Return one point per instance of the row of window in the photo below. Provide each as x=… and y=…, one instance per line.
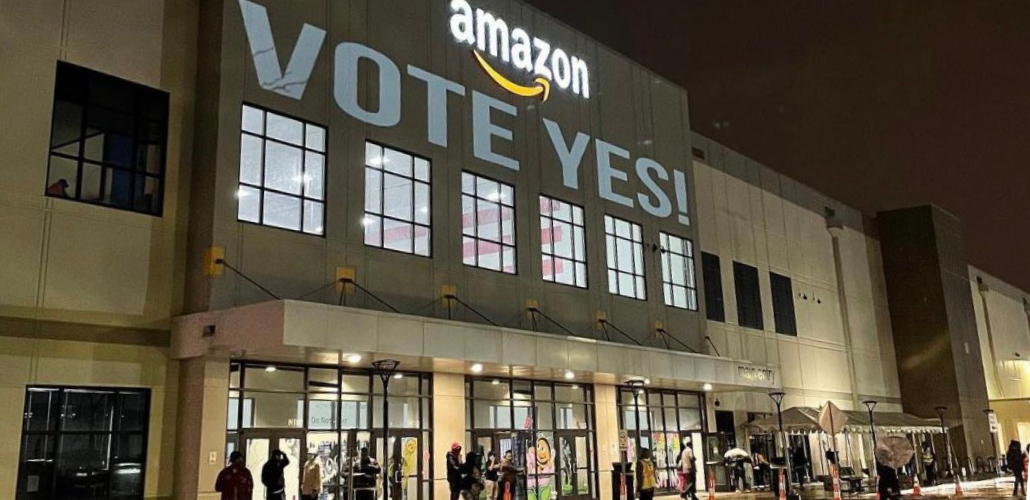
x=282, y=184
x=749, y=297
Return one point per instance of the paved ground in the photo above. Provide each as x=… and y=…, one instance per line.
x=988, y=489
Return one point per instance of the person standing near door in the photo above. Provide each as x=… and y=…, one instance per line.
x=454, y=470
x=646, y=478
x=311, y=479
x=274, y=477
x=493, y=467
x=688, y=470
x=235, y=481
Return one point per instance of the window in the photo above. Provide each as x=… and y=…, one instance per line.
x=77, y=440
x=563, y=242
x=282, y=172
x=678, y=272
x=625, y=247
x=715, y=307
x=397, y=204
x=548, y=427
x=488, y=223
x=783, y=304
x=749, y=300
x=107, y=141
x=667, y=420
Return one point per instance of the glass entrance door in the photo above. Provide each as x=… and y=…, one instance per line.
x=403, y=465
x=575, y=466
x=257, y=450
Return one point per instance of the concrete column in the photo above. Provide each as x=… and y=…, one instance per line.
x=203, y=411
x=448, y=426
x=607, y=431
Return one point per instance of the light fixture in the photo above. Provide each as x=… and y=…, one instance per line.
x=240, y=193
x=354, y=359
x=569, y=375
x=496, y=382
x=707, y=387
x=398, y=376
x=575, y=387
x=367, y=221
x=647, y=381
x=270, y=369
x=477, y=368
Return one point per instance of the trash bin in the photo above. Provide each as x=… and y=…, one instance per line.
x=617, y=476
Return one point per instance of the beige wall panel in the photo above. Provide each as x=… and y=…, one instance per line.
x=20, y=251
x=791, y=364
x=97, y=265
x=26, y=104
x=448, y=425
x=779, y=258
x=118, y=37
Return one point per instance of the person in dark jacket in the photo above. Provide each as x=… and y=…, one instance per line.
x=471, y=477
x=929, y=459
x=508, y=483
x=273, y=477
x=454, y=470
x=888, y=484
x=1014, y=459
x=235, y=481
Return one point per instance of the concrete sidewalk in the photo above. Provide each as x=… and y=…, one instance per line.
x=988, y=488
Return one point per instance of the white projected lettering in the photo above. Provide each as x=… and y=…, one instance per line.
x=662, y=191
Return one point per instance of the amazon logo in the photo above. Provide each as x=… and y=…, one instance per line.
x=491, y=36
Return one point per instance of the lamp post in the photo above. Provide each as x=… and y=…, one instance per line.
x=947, y=440
x=636, y=385
x=870, y=405
x=386, y=368
x=777, y=398
x=994, y=440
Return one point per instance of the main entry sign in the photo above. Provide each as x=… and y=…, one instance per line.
x=664, y=191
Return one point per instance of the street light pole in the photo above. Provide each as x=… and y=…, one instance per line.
x=870, y=405
x=947, y=441
x=386, y=368
x=994, y=440
x=636, y=385
x=777, y=398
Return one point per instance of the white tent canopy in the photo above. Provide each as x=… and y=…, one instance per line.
x=804, y=420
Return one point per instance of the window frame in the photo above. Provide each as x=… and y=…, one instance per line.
x=689, y=286
x=304, y=150
x=382, y=201
x=611, y=253
x=785, y=321
x=475, y=224
x=715, y=296
x=553, y=256
x=58, y=432
x=138, y=116
x=739, y=281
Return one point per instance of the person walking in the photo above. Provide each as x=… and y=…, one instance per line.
x=646, y=478
x=454, y=470
x=688, y=472
x=492, y=474
x=1014, y=459
x=274, y=477
x=235, y=481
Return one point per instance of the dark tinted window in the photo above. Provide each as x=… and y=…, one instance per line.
x=783, y=304
x=715, y=306
x=749, y=299
x=107, y=141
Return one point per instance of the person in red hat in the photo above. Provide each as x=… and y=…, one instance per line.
x=454, y=470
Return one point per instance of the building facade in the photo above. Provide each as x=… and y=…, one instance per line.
x=244, y=204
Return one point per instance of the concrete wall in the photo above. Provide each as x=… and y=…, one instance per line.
x=629, y=107
x=749, y=213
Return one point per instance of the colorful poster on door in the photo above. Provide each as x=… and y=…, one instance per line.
x=540, y=468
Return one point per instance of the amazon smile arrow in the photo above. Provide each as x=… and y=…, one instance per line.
x=542, y=87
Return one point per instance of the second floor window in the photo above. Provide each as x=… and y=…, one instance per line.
x=715, y=307
x=678, y=281
x=749, y=298
x=783, y=304
x=107, y=141
x=488, y=223
x=282, y=172
x=625, y=247
x=397, y=205
x=563, y=242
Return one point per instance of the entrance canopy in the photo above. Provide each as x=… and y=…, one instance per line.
x=308, y=333
x=805, y=420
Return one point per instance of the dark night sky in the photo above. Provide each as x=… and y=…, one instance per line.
x=879, y=103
